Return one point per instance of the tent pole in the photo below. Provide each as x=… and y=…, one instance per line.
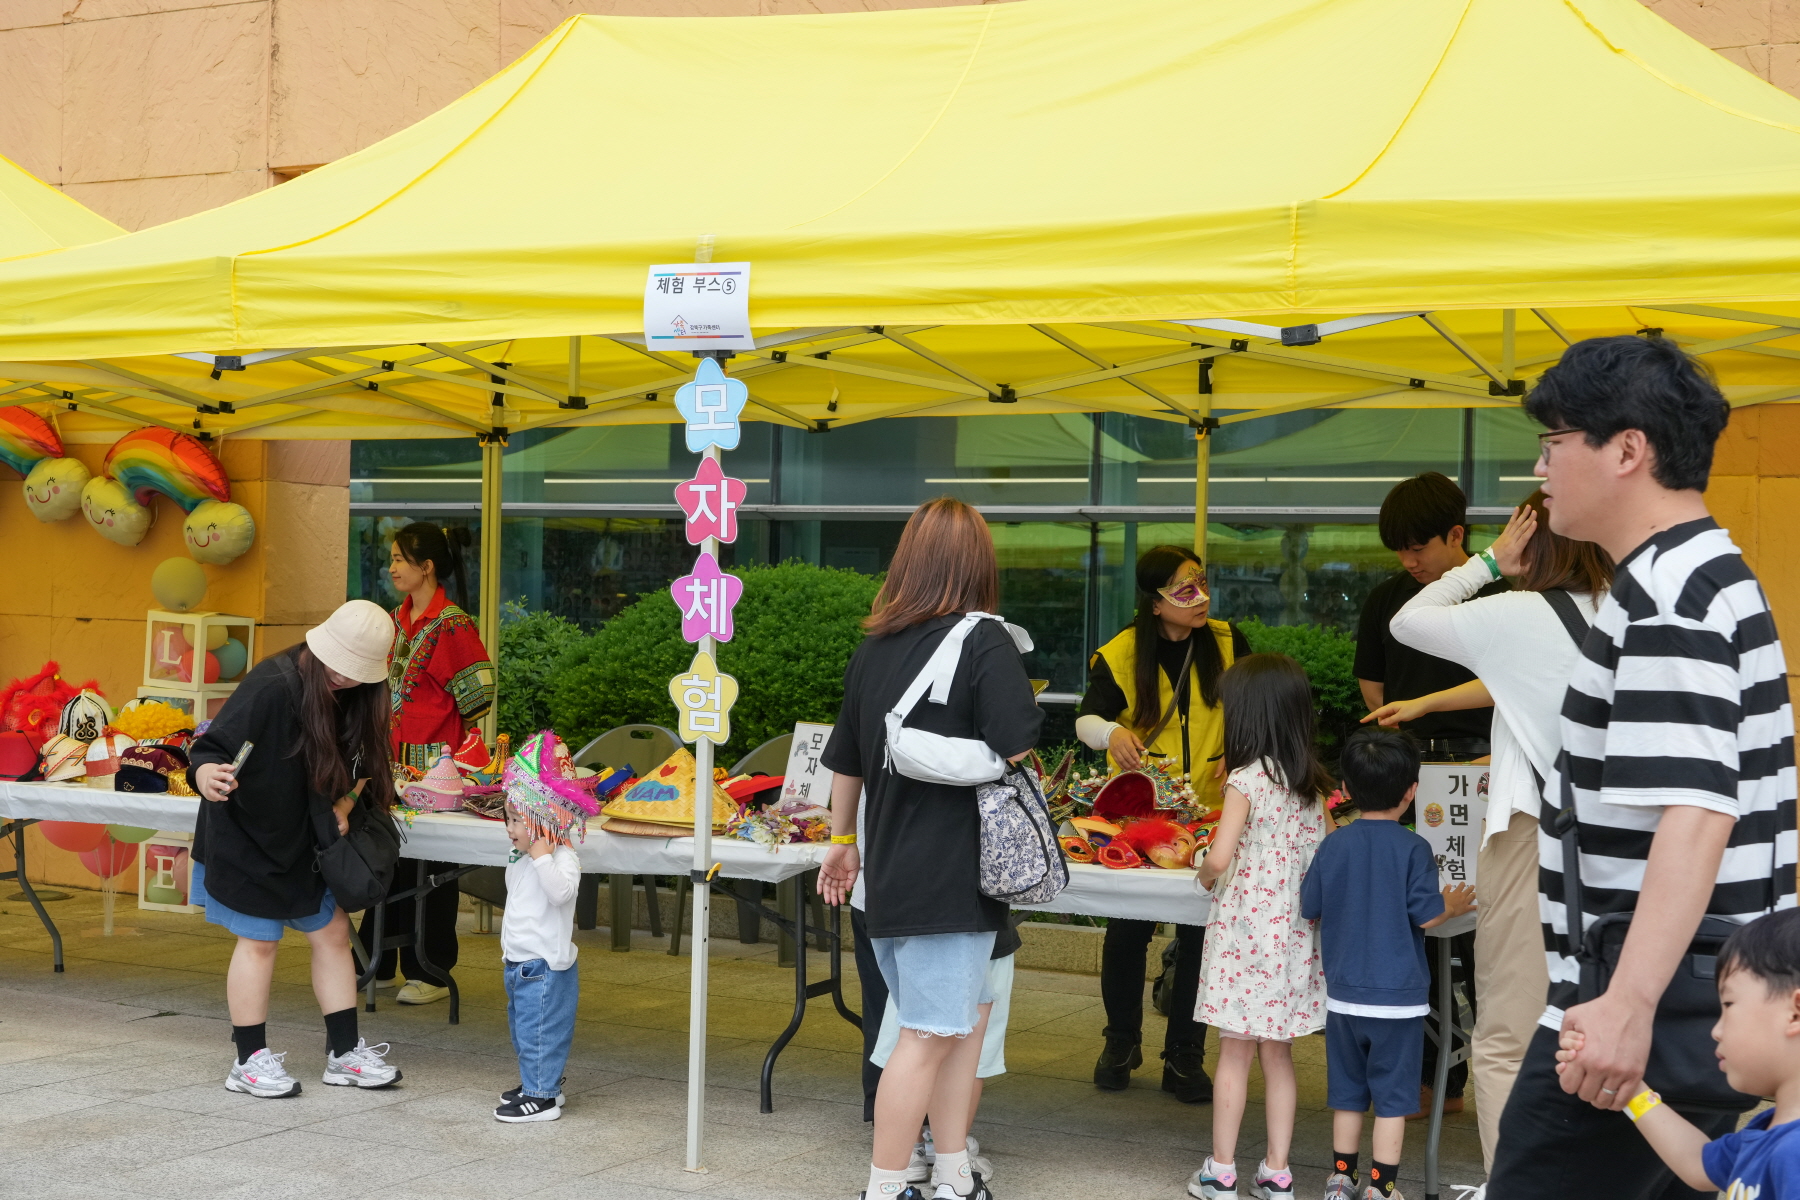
x=700, y=944
x=491, y=449
x=1203, y=456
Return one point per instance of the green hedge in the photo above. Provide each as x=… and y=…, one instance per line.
x=1329, y=659
x=532, y=648
x=795, y=628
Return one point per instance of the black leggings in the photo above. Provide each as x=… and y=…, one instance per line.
x=1122, y=957
x=440, y=926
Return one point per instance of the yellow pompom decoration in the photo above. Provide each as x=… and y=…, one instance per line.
x=151, y=719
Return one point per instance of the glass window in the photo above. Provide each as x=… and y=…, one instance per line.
x=1506, y=449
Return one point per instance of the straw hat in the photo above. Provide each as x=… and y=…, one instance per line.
x=354, y=641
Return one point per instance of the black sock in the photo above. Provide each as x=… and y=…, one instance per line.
x=1382, y=1176
x=340, y=1030
x=249, y=1039
x=1345, y=1164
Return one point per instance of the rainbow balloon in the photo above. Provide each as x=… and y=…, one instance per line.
x=26, y=439
x=176, y=464
x=147, y=461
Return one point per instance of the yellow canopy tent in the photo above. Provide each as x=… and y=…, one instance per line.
x=1165, y=207
x=35, y=217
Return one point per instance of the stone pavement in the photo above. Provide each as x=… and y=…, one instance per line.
x=111, y=1085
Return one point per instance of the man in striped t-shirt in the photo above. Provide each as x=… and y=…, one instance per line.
x=1679, y=752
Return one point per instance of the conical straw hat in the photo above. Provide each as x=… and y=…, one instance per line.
x=665, y=796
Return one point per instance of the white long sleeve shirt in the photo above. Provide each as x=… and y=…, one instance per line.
x=1518, y=648
x=539, y=921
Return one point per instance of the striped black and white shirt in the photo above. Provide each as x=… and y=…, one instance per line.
x=1679, y=697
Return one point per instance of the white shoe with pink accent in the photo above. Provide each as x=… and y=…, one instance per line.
x=362, y=1067
x=262, y=1076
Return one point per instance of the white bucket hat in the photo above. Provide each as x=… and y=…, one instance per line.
x=354, y=641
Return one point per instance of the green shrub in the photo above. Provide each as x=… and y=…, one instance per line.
x=795, y=628
x=1328, y=657
x=531, y=646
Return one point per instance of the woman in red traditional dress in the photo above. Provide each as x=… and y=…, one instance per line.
x=442, y=683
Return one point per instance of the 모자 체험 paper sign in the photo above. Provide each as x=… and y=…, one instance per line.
x=710, y=501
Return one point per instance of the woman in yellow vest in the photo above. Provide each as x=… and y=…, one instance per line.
x=1153, y=692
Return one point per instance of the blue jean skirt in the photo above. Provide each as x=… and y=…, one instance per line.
x=257, y=929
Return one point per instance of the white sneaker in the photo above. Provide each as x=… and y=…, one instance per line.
x=363, y=1067
x=262, y=1076
x=417, y=991
x=1272, y=1185
x=918, y=1168
x=1208, y=1183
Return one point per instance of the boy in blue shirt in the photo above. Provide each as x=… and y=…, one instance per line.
x=1759, y=1050
x=1373, y=889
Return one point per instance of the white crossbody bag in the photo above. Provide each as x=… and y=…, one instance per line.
x=932, y=757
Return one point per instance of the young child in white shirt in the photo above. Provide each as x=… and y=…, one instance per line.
x=543, y=809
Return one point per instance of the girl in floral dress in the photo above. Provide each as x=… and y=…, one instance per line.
x=1261, y=980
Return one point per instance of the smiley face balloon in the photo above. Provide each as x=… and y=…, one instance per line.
x=109, y=507
x=53, y=488
x=218, y=532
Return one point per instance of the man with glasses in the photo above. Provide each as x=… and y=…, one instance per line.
x=1677, y=762
x=1425, y=522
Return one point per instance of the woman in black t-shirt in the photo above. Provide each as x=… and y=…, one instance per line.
x=930, y=927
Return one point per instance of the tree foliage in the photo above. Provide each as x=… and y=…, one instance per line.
x=796, y=625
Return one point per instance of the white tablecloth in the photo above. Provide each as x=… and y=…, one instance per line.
x=1149, y=895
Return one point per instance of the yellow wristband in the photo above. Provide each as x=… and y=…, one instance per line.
x=843, y=839
x=1642, y=1103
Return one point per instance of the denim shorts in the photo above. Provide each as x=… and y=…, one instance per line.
x=257, y=929
x=993, y=1038
x=938, y=981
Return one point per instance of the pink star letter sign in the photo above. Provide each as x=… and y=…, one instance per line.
x=706, y=599
x=710, y=499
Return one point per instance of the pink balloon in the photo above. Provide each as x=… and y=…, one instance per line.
x=75, y=836
x=117, y=856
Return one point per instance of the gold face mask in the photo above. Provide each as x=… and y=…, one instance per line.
x=1189, y=593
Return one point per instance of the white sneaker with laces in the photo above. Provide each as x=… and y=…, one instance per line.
x=363, y=1067
x=918, y=1167
x=262, y=1076
x=1272, y=1185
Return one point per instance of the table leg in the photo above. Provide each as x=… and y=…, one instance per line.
x=425, y=885
x=17, y=829
x=801, y=993
x=618, y=892
x=378, y=942
x=788, y=894
x=836, y=942
x=1446, y=1043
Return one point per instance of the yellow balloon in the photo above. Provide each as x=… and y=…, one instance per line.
x=217, y=636
x=179, y=584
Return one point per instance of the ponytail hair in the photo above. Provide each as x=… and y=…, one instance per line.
x=423, y=542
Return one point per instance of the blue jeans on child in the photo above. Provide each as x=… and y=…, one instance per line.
x=540, y=1010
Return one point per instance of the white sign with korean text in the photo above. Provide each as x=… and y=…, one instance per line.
x=807, y=781
x=698, y=306
x=1452, y=804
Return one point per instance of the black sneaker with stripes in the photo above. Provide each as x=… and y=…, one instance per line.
x=528, y=1108
x=511, y=1095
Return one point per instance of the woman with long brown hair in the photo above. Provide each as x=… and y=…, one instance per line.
x=932, y=930
x=1522, y=656
x=315, y=718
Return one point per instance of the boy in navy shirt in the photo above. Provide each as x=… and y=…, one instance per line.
x=1373, y=888
x=1759, y=1051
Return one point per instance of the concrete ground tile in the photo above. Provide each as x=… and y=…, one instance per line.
x=42, y=1103
x=304, y=1163
x=108, y=1139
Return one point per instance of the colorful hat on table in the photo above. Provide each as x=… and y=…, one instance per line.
x=65, y=759
x=544, y=791
x=85, y=717
x=664, y=800
x=440, y=791
x=152, y=769
x=103, y=759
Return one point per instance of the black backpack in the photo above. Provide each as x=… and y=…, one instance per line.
x=358, y=866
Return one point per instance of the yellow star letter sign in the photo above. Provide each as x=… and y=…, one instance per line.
x=704, y=697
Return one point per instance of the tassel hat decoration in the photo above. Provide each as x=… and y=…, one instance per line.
x=543, y=791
